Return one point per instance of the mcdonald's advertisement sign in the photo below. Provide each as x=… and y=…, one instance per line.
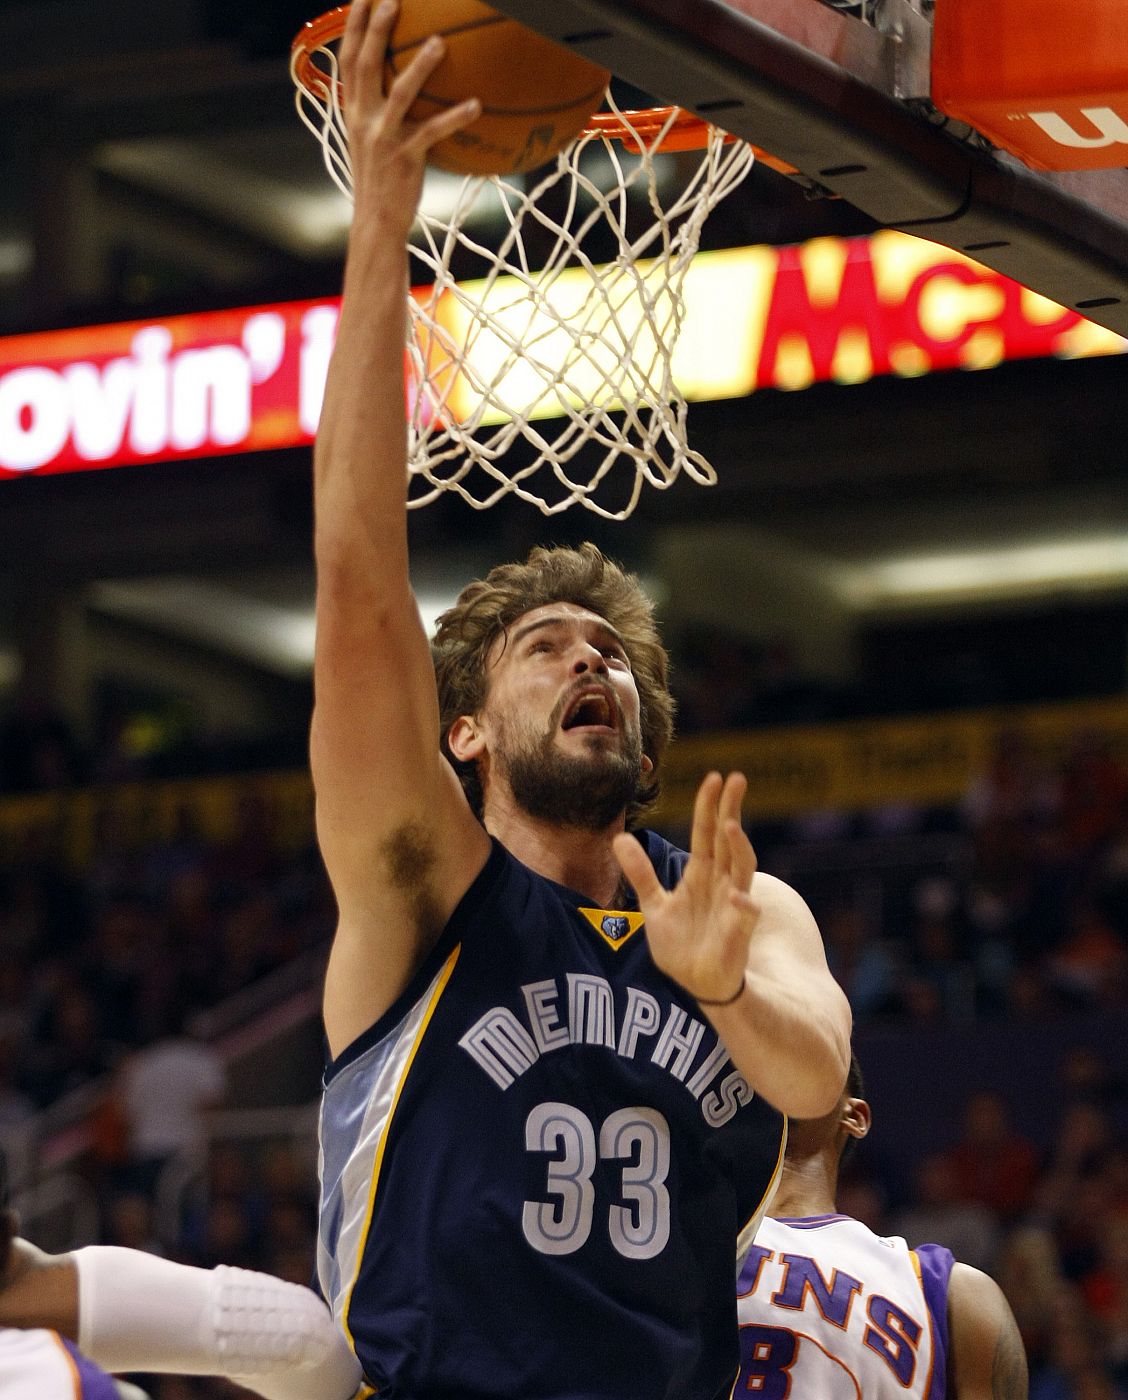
x=762, y=317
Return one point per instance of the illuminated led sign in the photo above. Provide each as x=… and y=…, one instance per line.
x=251, y=379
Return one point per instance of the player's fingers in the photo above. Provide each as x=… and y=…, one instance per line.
x=703, y=833
x=409, y=81
x=742, y=858
x=356, y=27
x=635, y=865
x=356, y=22
x=446, y=123
x=373, y=46
x=728, y=808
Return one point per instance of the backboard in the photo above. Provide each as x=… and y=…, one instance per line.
x=845, y=102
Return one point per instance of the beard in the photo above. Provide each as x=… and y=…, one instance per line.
x=588, y=791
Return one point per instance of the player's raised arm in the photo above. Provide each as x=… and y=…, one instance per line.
x=746, y=946
x=398, y=839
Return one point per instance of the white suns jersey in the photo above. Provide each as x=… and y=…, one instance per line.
x=42, y=1366
x=830, y=1311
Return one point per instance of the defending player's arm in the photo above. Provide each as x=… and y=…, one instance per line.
x=398, y=839
x=746, y=946
x=986, y=1358
x=131, y=1311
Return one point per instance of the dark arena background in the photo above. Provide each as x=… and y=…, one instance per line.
x=903, y=611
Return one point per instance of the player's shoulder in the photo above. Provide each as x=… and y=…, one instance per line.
x=987, y=1355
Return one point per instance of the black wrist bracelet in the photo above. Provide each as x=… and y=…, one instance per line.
x=701, y=1001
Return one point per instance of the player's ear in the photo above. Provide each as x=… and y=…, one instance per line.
x=856, y=1118
x=647, y=764
x=465, y=739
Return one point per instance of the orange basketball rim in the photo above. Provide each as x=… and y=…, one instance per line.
x=683, y=131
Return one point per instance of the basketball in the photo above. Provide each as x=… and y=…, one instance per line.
x=536, y=96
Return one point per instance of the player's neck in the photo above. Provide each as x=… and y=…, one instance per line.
x=807, y=1187
x=581, y=860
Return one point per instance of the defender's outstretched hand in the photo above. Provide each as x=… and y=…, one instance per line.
x=389, y=152
x=699, y=932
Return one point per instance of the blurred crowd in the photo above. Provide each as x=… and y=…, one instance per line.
x=1028, y=919
x=104, y=970
x=122, y=954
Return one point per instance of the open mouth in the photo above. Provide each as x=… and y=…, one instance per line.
x=591, y=709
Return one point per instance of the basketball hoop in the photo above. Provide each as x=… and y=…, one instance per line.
x=539, y=378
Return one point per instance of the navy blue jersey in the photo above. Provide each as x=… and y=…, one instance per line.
x=539, y=1168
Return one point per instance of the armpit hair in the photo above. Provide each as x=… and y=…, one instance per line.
x=408, y=855
x=408, y=858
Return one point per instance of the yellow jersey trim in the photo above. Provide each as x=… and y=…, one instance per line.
x=747, y=1235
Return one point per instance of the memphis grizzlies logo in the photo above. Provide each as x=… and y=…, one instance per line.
x=614, y=926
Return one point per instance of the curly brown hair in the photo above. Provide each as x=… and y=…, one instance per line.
x=487, y=608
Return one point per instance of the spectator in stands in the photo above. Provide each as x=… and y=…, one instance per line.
x=1076, y=1369
x=937, y=956
x=251, y=931
x=38, y=747
x=992, y=1163
x=248, y=862
x=714, y=683
x=1028, y=1271
x=862, y=963
x=1105, y=1288
x=290, y=1240
x=1014, y=787
x=129, y=1223
x=227, y=1237
x=184, y=853
x=968, y=1228
x=68, y=1048
x=1113, y=1170
x=166, y=1090
x=122, y=955
x=1089, y=965
x=1111, y=878
x=1093, y=795
x=1082, y=1136
x=228, y=1178
x=1081, y=1223
x=15, y=1106
x=782, y=691
x=1087, y=1077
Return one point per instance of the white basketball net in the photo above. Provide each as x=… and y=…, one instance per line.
x=553, y=369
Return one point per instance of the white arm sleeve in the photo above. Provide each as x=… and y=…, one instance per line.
x=137, y=1312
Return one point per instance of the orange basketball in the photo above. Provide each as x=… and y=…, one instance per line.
x=536, y=95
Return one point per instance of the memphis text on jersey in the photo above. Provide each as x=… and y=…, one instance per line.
x=584, y=1009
